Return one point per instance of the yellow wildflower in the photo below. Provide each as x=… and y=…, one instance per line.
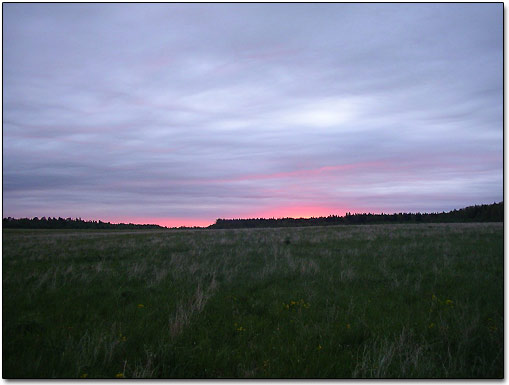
x=140, y=305
x=448, y=302
x=431, y=325
x=119, y=375
x=84, y=375
x=319, y=347
x=491, y=325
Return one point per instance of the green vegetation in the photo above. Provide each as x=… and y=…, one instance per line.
x=388, y=301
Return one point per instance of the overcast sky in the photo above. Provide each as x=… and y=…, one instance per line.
x=179, y=114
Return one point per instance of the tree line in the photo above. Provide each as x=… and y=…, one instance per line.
x=68, y=223
x=478, y=213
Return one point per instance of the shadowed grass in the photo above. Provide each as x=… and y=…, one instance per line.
x=388, y=301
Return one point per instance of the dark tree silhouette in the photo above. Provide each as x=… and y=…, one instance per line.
x=68, y=223
x=480, y=213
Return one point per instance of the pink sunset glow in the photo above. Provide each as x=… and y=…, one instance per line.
x=165, y=222
x=301, y=212
x=281, y=212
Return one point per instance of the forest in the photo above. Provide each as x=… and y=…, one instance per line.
x=69, y=223
x=478, y=213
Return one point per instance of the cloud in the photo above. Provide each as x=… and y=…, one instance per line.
x=199, y=111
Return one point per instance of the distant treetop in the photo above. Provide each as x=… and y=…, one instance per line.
x=479, y=213
x=68, y=223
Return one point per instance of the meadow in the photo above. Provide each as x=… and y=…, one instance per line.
x=374, y=301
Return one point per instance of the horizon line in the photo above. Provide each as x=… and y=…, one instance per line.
x=240, y=219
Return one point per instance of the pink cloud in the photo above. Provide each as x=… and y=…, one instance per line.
x=300, y=173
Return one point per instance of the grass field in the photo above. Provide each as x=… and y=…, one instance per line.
x=387, y=301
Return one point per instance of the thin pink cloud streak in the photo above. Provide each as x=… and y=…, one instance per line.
x=299, y=173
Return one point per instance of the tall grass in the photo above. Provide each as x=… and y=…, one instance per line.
x=380, y=301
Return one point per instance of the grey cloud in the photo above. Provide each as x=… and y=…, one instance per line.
x=135, y=107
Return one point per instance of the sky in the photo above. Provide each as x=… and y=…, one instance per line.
x=179, y=114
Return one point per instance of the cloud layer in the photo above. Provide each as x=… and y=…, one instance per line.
x=183, y=113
